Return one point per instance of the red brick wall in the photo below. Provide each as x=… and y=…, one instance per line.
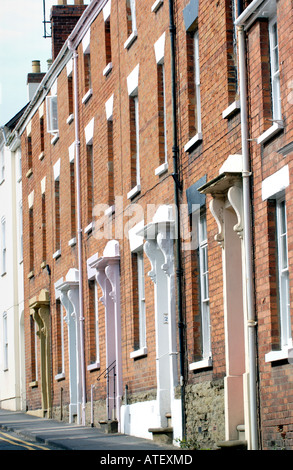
x=63, y=19
x=275, y=378
x=221, y=137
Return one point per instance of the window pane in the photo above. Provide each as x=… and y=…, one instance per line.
x=284, y=294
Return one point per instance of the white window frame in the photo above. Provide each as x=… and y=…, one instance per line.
x=164, y=105
x=52, y=114
x=20, y=214
x=133, y=15
x=3, y=246
x=62, y=373
x=133, y=34
x=96, y=300
x=132, y=85
x=136, y=105
x=136, y=247
x=198, y=136
x=197, y=80
x=204, y=286
x=141, y=299
x=5, y=341
x=96, y=364
x=56, y=170
x=283, y=274
x=201, y=228
x=275, y=68
x=36, y=350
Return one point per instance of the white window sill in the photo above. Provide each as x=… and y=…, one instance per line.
x=29, y=173
x=2, y=181
x=286, y=353
x=30, y=275
x=157, y=5
x=161, y=169
x=57, y=254
x=204, y=363
x=107, y=69
x=70, y=119
x=196, y=139
x=134, y=191
x=94, y=366
x=89, y=228
x=60, y=376
x=130, y=40
x=33, y=384
x=72, y=242
x=87, y=96
x=139, y=353
x=276, y=127
x=110, y=211
x=55, y=139
x=3, y=274
x=231, y=109
x=41, y=156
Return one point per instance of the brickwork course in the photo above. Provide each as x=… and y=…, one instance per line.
x=216, y=385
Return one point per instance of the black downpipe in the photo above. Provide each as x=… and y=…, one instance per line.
x=175, y=152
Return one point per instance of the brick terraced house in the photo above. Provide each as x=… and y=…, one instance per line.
x=157, y=235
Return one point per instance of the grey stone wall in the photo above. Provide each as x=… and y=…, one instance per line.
x=205, y=421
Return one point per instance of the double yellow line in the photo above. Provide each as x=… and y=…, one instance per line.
x=19, y=442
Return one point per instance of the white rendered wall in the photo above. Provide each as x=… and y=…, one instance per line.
x=12, y=384
x=137, y=418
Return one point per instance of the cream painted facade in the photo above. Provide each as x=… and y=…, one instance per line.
x=12, y=357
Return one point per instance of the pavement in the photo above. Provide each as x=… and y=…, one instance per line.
x=65, y=436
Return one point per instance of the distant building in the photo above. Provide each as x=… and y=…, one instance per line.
x=12, y=355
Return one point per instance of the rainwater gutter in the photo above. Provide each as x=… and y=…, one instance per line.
x=247, y=222
x=177, y=188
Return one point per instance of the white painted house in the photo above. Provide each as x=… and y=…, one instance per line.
x=12, y=369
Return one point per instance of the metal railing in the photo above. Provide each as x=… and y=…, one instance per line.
x=107, y=375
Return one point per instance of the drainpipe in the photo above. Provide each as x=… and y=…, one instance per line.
x=79, y=227
x=248, y=237
x=177, y=185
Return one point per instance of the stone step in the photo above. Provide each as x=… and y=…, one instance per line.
x=162, y=435
x=232, y=445
x=109, y=427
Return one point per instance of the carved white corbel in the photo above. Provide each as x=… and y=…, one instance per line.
x=150, y=248
x=111, y=271
x=235, y=198
x=65, y=303
x=217, y=209
x=101, y=280
x=73, y=298
x=165, y=244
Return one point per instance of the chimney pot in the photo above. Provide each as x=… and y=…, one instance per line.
x=62, y=2
x=78, y=2
x=36, y=66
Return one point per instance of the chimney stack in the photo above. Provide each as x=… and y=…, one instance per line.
x=36, y=66
x=63, y=20
x=34, y=78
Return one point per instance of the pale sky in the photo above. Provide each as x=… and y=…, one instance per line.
x=21, y=42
